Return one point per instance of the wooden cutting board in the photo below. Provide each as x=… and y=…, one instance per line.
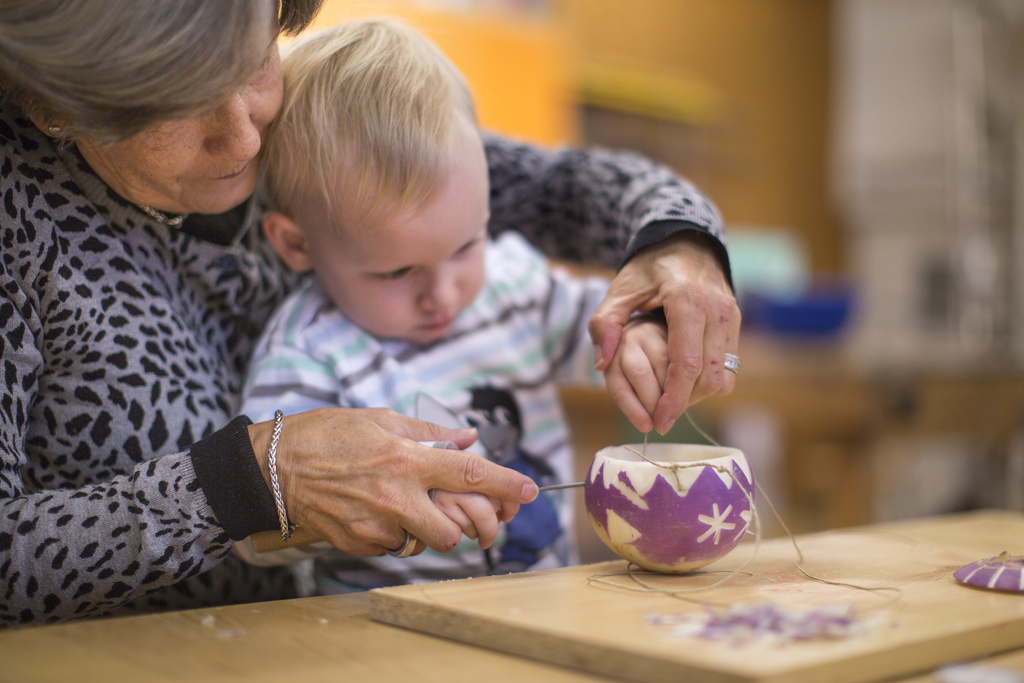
x=564, y=617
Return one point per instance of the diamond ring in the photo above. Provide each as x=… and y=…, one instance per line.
x=732, y=363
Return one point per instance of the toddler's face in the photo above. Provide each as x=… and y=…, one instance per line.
x=409, y=278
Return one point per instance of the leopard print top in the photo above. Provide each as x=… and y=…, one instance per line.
x=124, y=343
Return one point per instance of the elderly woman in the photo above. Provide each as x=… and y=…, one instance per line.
x=134, y=282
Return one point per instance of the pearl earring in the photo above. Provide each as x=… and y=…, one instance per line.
x=54, y=131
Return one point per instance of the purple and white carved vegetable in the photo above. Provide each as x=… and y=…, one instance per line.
x=682, y=507
x=1004, y=572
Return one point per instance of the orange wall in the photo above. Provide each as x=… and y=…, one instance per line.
x=518, y=69
x=769, y=62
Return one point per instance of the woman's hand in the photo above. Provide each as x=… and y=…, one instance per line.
x=358, y=478
x=682, y=276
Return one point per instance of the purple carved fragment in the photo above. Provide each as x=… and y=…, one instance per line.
x=1004, y=572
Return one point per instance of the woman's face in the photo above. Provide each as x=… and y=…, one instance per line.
x=204, y=164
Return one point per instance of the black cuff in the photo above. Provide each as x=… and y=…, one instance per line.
x=659, y=231
x=226, y=468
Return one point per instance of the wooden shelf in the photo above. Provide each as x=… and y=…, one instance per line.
x=646, y=91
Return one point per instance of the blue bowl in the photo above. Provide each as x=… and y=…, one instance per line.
x=822, y=310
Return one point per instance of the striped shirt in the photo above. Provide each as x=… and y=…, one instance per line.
x=498, y=370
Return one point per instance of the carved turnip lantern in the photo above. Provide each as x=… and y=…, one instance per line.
x=670, y=508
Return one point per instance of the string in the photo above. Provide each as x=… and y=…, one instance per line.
x=634, y=573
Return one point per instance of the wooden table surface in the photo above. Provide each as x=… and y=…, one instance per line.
x=313, y=639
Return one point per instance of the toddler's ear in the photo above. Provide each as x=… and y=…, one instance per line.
x=287, y=238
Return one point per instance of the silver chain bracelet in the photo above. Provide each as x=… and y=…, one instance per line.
x=282, y=514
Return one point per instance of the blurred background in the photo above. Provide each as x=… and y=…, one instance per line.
x=867, y=158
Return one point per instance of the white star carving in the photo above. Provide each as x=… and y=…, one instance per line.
x=716, y=523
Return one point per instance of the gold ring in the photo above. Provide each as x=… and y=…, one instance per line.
x=407, y=547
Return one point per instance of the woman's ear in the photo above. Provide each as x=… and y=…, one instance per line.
x=287, y=238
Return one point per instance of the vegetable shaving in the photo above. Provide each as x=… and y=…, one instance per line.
x=743, y=624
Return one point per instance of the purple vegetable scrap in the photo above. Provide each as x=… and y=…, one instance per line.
x=1004, y=572
x=766, y=623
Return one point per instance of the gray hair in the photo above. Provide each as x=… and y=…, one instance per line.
x=108, y=69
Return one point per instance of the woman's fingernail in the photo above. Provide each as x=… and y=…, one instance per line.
x=598, y=357
x=464, y=434
x=664, y=429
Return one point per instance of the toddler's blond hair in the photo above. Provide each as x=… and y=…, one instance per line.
x=369, y=110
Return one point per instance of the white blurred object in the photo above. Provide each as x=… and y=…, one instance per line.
x=927, y=125
x=977, y=673
x=923, y=475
